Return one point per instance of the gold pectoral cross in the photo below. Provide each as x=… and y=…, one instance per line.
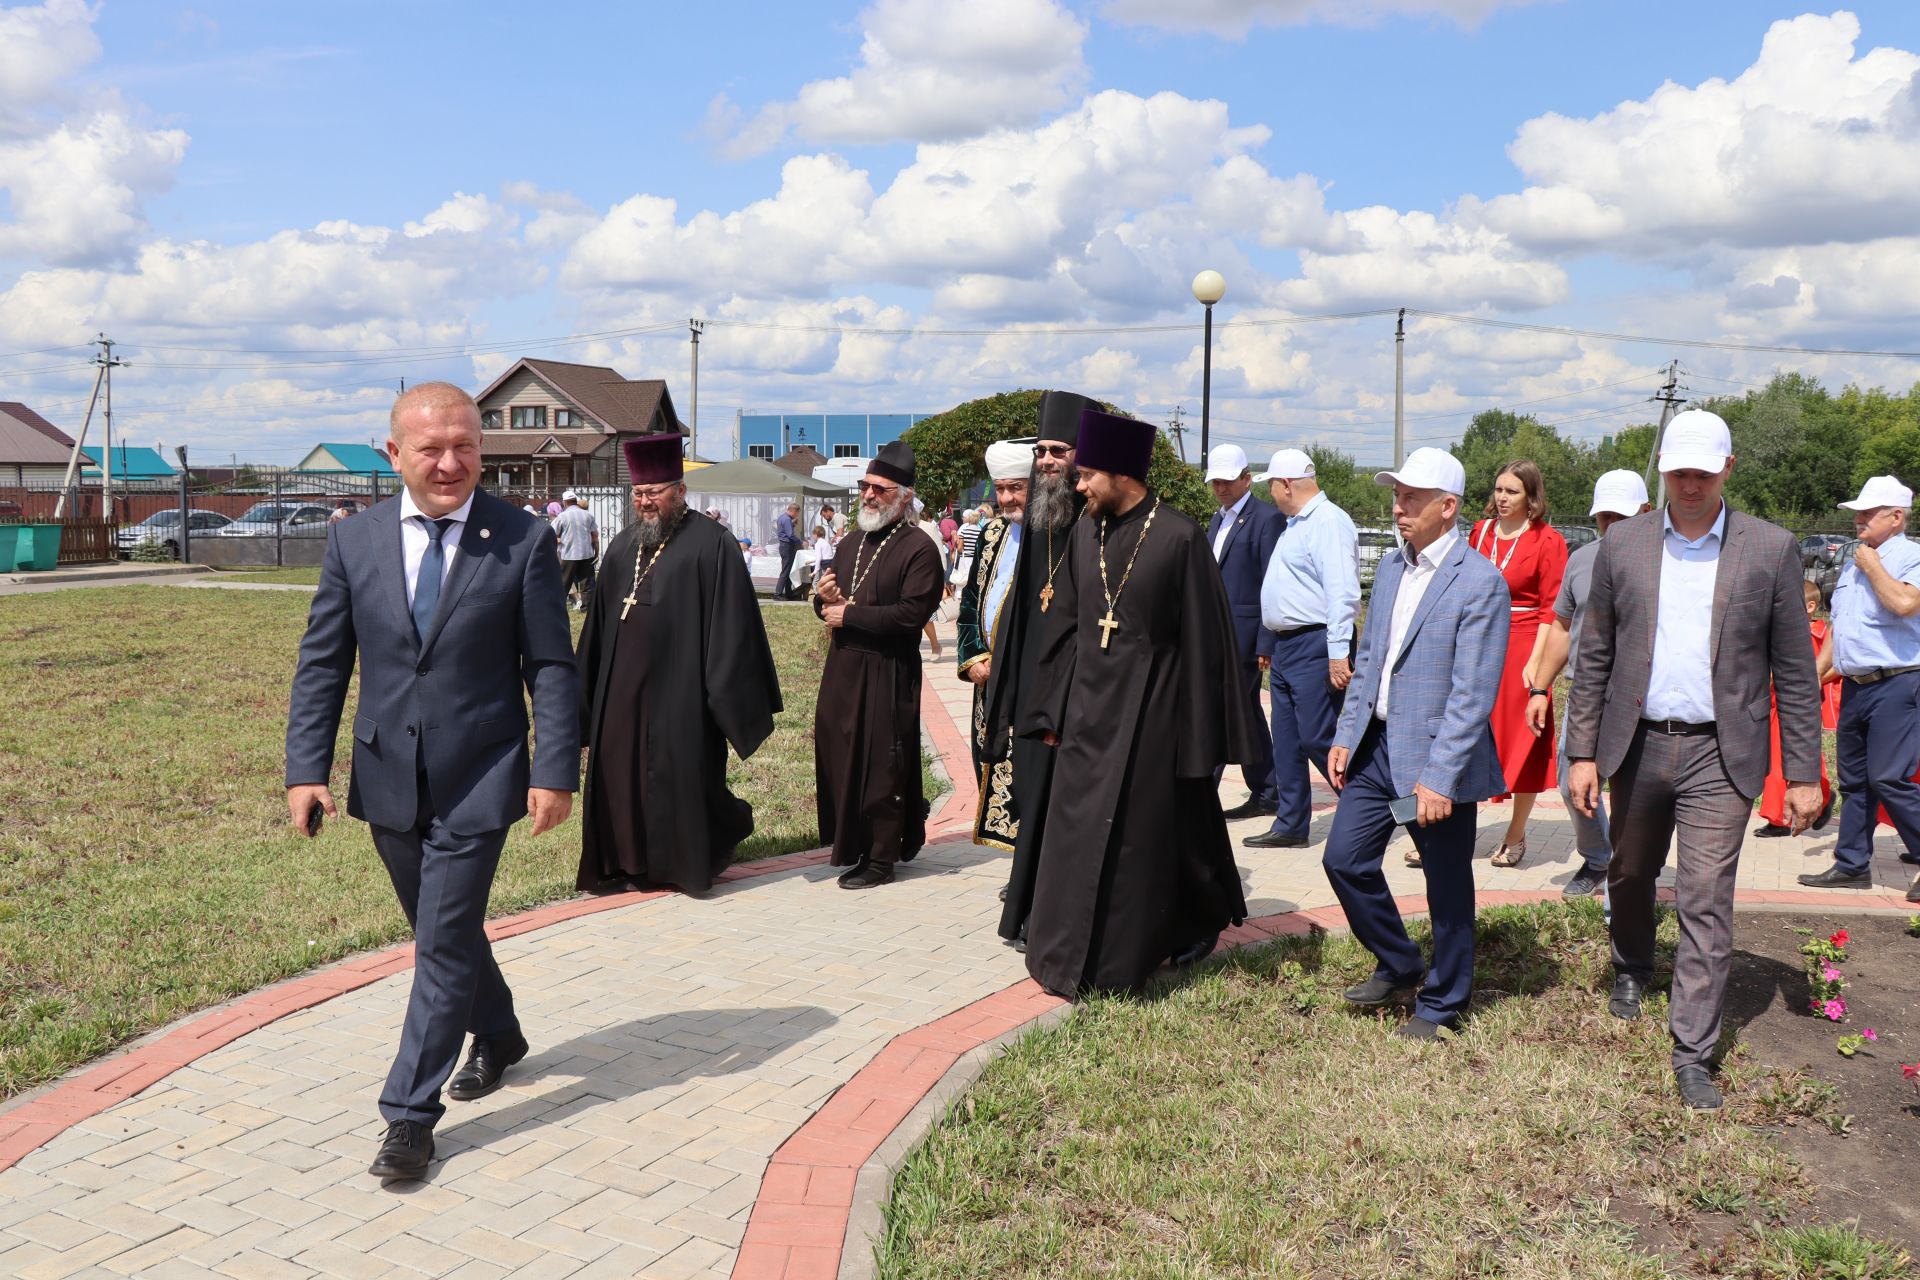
x=1108, y=625
x=1046, y=597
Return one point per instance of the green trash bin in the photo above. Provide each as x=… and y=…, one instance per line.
x=39, y=547
x=9, y=547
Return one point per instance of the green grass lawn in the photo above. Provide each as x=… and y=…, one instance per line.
x=309, y=577
x=1245, y=1123
x=146, y=865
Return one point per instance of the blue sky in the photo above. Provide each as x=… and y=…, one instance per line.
x=354, y=180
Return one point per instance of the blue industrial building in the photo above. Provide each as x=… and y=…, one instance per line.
x=834, y=435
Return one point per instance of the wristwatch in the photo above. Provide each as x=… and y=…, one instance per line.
x=1539, y=693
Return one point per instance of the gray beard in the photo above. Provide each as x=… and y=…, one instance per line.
x=874, y=521
x=1050, y=501
x=652, y=530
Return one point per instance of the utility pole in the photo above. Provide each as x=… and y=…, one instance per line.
x=106, y=458
x=694, y=329
x=1400, y=390
x=1670, y=400
x=105, y=364
x=1178, y=431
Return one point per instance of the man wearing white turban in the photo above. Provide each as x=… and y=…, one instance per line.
x=982, y=596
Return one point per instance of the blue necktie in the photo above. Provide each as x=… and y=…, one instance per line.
x=433, y=567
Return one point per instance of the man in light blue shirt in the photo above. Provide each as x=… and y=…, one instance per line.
x=1308, y=601
x=1875, y=644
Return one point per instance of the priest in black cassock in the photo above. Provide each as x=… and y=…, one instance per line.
x=674, y=666
x=1013, y=689
x=885, y=583
x=983, y=600
x=1140, y=698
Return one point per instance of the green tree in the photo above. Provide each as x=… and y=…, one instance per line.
x=1349, y=488
x=1893, y=452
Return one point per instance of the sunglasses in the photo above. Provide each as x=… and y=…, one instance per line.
x=867, y=487
x=1052, y=450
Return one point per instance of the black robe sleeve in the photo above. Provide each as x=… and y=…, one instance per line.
x=590, y=656
x=1214, y=728
x=742, y=687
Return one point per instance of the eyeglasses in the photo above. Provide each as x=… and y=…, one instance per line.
x=867, y=487
x=1052, y=450
x=654, y=493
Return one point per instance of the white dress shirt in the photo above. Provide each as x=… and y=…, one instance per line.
x=1415, y=578
x=1228, y=516
x=414, y=539
x=1680, y=684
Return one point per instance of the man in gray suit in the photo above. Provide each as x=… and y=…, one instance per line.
x=1414, y=734
x=1670, y=701
x=452, y=601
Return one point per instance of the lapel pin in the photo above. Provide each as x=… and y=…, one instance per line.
x=486, y=533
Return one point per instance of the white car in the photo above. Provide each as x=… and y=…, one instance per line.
x=291, y=519
x=162, y=528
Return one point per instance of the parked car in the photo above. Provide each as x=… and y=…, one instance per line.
x=1821, y=549
x=1577, y=535
x=1374, y=543
x=291, y=519
x=1827, y=576
x=162, y=528
x=10, y=511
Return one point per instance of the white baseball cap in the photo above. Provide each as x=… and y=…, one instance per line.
x=1428, y=469
x=1620, y=493
x=1696, y=441
x=569, y=496
x=1881, y=491
x=1288, y=464
x=1226, y=462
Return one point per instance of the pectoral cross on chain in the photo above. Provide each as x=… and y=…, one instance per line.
x=1046, y=597
x=1108, y=625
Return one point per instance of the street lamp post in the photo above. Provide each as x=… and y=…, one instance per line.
x=1208, y=288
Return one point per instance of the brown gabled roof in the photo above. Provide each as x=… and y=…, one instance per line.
x=27, y=417
x=23, y=445
x=526, y=444
x=626, y=405
x=802, y=460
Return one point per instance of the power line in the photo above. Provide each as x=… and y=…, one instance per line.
x=1708, y=344
x=1436, y=417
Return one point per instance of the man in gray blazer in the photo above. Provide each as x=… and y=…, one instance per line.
x=1415, y=730
x=451, y=600
x=1670, y=701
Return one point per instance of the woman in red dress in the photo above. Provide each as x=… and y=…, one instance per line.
x=1532, y=556
x=1773, y=799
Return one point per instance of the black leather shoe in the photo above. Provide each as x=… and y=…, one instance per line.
x=1420, y=1029
x=1625, y=1001
x=1003, y=893
x=867, y=877
x=1251, y=808
x=1772, y=831
x=1199, y=949
x=405, y=1151
x=1826, y=815
x=487, y=1063
x=1912, y=860
x=1585, y=883
x=1381, y=990
x=1696, y=1089
x=1274, y=840
x=1913, y=890
x=1834, y=878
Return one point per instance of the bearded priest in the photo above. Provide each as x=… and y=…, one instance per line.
x=885, y=583
x=674, y=667
x=1140, y=698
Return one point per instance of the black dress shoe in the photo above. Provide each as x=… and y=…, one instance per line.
x=1003, y=893
x=867, y=877
x=1274, y=840
x=1834, y=878
x=1772, y=831
x=1913, y=890
x=1696, y=1089
x=1381, y=990
x=1826, y=815
x=1625, y=1001
x=1199, y=949
x=487, y=1063
x=1251, y=808
x=405, y=1151
x=1420, y=1029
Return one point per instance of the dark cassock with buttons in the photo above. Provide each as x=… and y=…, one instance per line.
x=1139, y=678
x=1013, y=691
x=674, y=668
x=866, y=730
x=981, y=621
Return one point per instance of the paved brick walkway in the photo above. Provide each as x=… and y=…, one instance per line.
x=680, y=1044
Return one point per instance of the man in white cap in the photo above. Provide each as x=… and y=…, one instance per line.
x=1308, y=602
x=1875, y=645
x=983, y=597
x=1415, y=744
x=1242, y=533
x=1691, y=620
x=1617, y=496
x=579, y=536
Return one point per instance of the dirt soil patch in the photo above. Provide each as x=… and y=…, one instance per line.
x=1863, y=1172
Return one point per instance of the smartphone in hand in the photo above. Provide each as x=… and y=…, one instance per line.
x=1405, y=810
x=314, y=816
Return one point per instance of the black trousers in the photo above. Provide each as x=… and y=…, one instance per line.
x=783, y=589
x=443, y=881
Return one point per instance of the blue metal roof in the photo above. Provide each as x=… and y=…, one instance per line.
x=360, y=457
x=130, y=463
